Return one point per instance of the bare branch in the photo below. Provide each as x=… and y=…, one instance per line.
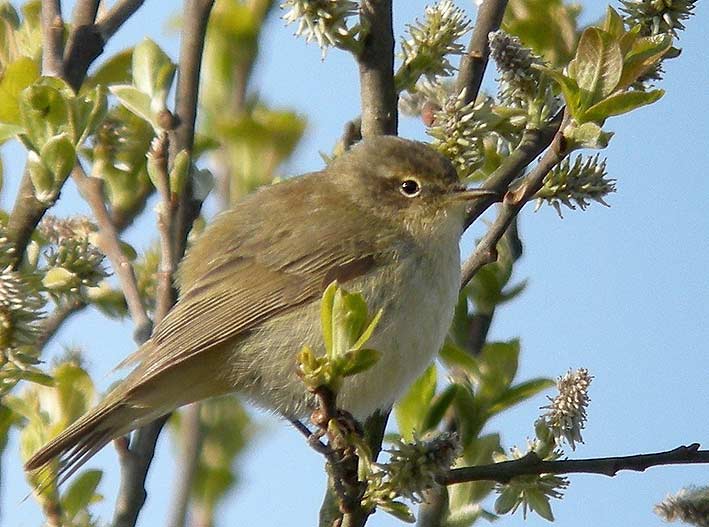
x=84, y=44
x=52, y=38
x=474, y=62
x=533, y=143
x=376, y=70
x=512, y=203
x=91, y=190
x=56, y=318
x=121, y=11
x=606, y=466
x=135, y=463
x=165, y=296
x=191, y=433
x=191, y=49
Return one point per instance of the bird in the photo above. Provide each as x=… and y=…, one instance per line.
x=384, y=219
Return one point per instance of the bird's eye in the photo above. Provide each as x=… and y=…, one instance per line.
x=410, y=188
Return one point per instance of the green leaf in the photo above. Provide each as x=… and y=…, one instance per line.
x=16, y=77
x=367, y=332
x=508, y=499
x=498, y=365
x=438, y=407
x=115, y=70
x=179, y=172
x=80, y=493
x=569, y=89
x=326, y=305
x=620, y=104
x=359, y=360
x=539, y=503
x=349, y=317
x=455, y=357
x=135, y=101
x=88, y=113
x=59, y=156
x=153, y=72
x=410, y=409
x=518, y=393
x=643, y=55
x=44, y=111
x=614, y=24
x=587, y=135
x=399, y=510
x=42, y=179
x=598, y=66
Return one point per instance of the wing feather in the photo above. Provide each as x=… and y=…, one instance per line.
x=275, y=257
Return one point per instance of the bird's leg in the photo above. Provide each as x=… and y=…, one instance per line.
x=313, y=438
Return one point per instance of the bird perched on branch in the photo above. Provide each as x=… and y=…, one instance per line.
x=384, y=218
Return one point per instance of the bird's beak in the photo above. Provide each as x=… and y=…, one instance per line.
x=463, y=193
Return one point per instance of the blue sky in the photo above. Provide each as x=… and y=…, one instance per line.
x=621, y=291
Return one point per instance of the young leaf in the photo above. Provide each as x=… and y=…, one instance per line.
x=16, y=77
x=598, y=66
x=621, y=103
x=410, y=409
x=80, y=493
x=153, y=72
x=438, y=407
x=44, y=112
x=518, y=393
x=59, y=156
x=135, y=101
x=643, y=55
x=326, y=305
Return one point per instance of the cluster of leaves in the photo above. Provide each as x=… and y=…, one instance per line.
x=44, y=411
x=346, y=326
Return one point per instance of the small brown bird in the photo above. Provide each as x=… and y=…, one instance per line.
x=385, y=218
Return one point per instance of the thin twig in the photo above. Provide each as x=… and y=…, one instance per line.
x=121, y=11
x=191, y=50
x=486, y=250
x=376, y=70
x=52, y=38
x=56, y=318
x=532, y=144
x=165, y=296
x=191, y=435
x=474, y=62
x=606, y=466
x=91, y=190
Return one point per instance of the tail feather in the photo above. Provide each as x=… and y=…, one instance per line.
x=81, y=440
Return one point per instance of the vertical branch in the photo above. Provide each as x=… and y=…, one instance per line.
x=474, y=62
x=135, y=461
x=52, y=38
x=91, y=190
x=191, y=431
x=376, y=69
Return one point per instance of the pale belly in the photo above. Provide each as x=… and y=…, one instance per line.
x=413, y=327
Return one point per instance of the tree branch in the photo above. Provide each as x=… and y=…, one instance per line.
x=116, y=17
x=474, y=62
x=607, y=466
x=52, y=38
x=84, y=44
x=191, y=433
x=91, y=189
x=512, y=203
x=376, y=69
x=56, y=318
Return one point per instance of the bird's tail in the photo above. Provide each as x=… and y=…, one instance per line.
x=87, y=435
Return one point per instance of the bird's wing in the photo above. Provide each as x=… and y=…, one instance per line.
x=280, y=257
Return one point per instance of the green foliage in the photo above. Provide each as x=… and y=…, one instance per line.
x=152, y=76
x=549, y=27
x=346, y=326
x=45, y=411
